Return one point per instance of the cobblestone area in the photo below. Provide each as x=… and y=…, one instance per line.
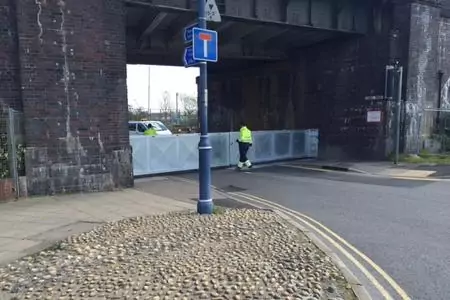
x=240, y=254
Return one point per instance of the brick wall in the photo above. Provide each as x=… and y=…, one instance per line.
x=329, y=86
x=262, y=96
x=9, y=61
x=342, y=77
x=73, y=71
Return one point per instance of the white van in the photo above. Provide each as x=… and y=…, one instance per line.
x=139, y=127
x=160, y=128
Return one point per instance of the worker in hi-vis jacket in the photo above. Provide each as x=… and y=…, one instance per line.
x=245, y=142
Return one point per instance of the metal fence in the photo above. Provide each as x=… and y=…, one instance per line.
x=165, y=154
x=12, y=150
x=436, y=130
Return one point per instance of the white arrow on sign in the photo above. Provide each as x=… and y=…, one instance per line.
x=212, y=12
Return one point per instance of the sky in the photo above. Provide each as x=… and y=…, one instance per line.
x=162, y=78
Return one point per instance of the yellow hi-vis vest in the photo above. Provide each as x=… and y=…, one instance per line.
x=245, y=135
x=150, y=132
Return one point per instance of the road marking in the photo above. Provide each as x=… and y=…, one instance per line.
x=408, y=173
x=372, y=279
x=301, y=217
x=430, y=179
x=312, y=168
x=419, y=179
x=369, y=175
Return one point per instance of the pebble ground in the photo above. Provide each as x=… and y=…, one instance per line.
x=238, y=254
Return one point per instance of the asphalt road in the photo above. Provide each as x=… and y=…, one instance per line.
x=402, y=225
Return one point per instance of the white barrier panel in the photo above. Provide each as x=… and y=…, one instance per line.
x=220, y=143
x=312, y=143
x=165, y=154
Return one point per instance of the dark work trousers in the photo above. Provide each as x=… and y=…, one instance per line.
x=243, y=149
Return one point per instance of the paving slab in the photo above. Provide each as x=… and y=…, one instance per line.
x=32, y=224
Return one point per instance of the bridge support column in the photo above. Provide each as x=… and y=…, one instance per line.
x=72, y=60
x=424, y=63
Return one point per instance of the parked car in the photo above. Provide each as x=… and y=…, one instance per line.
x=139, y=127
x=136, y=127
x=160, y=128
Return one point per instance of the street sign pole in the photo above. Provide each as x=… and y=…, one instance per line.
x=399, y=75
x=205, y=203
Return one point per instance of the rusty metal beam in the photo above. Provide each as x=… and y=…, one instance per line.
x=191, y=11
x=174, y=36
x=176, y=29
x=251, y=51
x=164, y=8
x=277, y=40
x=223, y=26
x=234, y=36
x=161, y=57
x=268, y=34
x=154, y=24
x=150, y=28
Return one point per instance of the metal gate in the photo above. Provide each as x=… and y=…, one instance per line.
x=165, y=154
x=12, y=150
x=436, y=130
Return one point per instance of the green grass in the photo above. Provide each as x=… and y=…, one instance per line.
x=425, y=157
x=218, y=210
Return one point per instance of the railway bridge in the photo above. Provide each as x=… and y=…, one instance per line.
x=283, y=64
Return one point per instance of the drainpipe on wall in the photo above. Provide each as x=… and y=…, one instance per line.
x=439, y=104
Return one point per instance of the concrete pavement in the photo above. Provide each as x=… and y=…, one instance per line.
x=29, y=225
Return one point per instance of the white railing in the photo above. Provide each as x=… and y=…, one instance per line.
x=174, y=153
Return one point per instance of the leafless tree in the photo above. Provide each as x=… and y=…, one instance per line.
x=189, y=109
x=189, y=105
x=136, y=113
x=166, y=106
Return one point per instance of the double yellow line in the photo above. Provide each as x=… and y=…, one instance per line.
x=335, y=240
